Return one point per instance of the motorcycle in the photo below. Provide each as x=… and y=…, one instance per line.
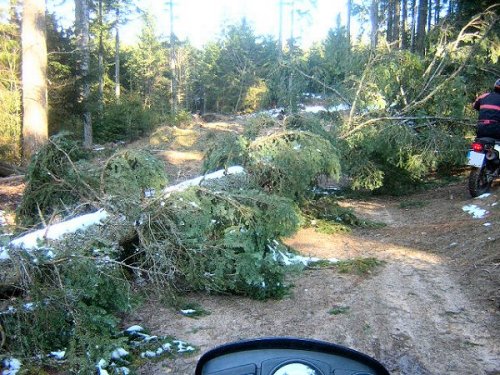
x=286, y=356
x=484, y=157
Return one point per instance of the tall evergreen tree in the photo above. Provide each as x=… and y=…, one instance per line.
x=10, y=90
x=82, y=30
x=421, y=27
x=34, y=77
x=374, y=9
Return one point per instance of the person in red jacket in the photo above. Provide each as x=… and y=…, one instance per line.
x=488, y=106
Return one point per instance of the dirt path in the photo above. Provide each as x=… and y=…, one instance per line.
x=431, y=308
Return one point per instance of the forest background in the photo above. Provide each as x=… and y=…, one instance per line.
x=418, y=63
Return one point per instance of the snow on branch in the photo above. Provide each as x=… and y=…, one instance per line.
x=56, y=231
x=198, y=180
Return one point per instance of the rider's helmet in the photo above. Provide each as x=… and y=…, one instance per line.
x=497, y=85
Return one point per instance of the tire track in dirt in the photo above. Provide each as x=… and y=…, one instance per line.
x=414, y=317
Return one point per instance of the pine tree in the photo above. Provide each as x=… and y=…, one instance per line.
x=34, y=76
x=82, y=26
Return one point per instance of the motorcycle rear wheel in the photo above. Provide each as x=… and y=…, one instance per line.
x=479, y=182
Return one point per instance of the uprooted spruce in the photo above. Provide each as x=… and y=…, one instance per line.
x=217, y=238
x=286, y=163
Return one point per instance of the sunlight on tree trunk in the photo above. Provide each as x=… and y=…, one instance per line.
x=83, y=37
x=374, y=23
x=117, y=55
x=34, y=76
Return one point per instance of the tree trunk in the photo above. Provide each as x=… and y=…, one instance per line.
x=413, y=24
x=422, y=20
x=374, y=23
x=396, y=23
x=83, y=36
x=404, y=32
x=349, y=11
x=173, y=82
x=100, y=62
x=390, y=20
x=280, y=31
x=429, y=15
x=34, y=77
x=437, y=11
x=117, y=55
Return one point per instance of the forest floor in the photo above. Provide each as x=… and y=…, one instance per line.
x=431, y=307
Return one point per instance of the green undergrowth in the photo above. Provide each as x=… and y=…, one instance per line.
x=358, y=266
x=355, y=266
x=338, y=310
x=73, y=303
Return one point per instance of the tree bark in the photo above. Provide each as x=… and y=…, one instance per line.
x=413, y=24
x=437, y=11
x=421, y=23
x=117, y=55
x=404, y=32
x=348, y=31
x=374, y=24
x=397, y=21
x=390, y=20
x=34, y=77
x=100, y=62
x=172, y=60
x=429, y=15
x=83, y=36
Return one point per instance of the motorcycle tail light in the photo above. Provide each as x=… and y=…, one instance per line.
x=478, y=147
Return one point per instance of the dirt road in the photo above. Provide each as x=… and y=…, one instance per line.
x=431, y=308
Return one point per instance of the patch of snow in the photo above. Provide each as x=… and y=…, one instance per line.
x=11, y=366
x=3, y=222
x=198, y=180
x=119, y=353
x=30, y=306
x=482, y=196
x=122, y=371
x=56, y=231
x=475, y=211
x=183, y=347
x=58, y=354
x=487, y=224
x=10, y=310
x=99, y=366
x=133, y=329
x=4, y=253
x=148, y=354
x=494, y=204
x=314, y=109
x=149, y=193
x=188, y=311
x=289, y=259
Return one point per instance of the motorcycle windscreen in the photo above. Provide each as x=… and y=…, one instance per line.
x=286, y=356
x=475, y=159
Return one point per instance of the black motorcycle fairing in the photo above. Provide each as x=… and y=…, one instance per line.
x=266, y=356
